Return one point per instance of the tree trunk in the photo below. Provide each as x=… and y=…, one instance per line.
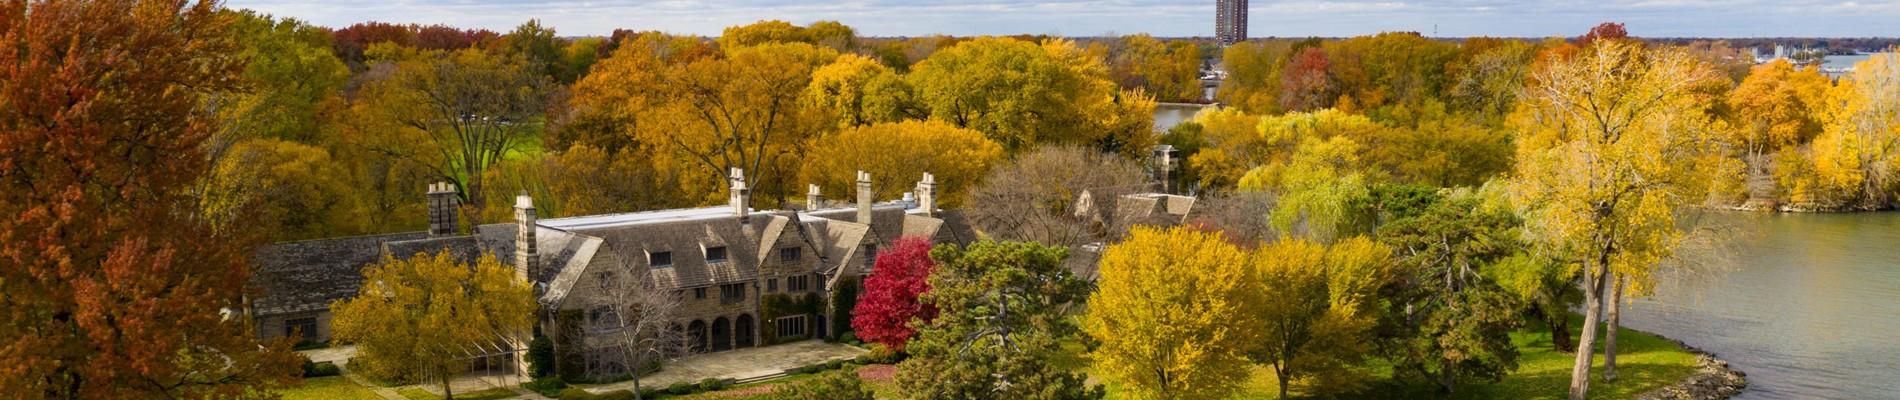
x=1448, y=377
x=1280, y=373
x=636, y=383
x=1559, y=322
x=447, y=392
x=1614, y=303
x=1593, y=307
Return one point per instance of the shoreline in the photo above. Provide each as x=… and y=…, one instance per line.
x=1713, y=379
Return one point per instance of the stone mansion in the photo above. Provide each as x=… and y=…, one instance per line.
x=726, y=261
x=745, y=277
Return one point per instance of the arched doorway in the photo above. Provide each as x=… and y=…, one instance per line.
x=721, y=334
x=696, y=334
x=744, y=328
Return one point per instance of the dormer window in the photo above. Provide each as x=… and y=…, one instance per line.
x=660, y=259
x=716, y=254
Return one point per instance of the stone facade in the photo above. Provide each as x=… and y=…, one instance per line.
x=728, y=264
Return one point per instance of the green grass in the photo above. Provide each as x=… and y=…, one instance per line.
x=329, y=388
x=1644, y=362
x=417, y=393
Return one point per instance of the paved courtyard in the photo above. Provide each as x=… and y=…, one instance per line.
x=741, y=364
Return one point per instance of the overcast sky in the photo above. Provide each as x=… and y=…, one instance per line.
x=1653, y=18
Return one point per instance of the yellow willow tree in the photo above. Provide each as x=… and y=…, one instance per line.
x=1166, y=334
x=1612, y=143
x=1857, y=158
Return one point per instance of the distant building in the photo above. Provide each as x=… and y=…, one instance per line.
x=1230, y=21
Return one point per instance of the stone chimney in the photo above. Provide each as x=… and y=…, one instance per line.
x=740, y=197
x=1164, y=160
x=527, y=256
x=927, y=195
x=813, y=199
x=864, y=197
x=442, y=208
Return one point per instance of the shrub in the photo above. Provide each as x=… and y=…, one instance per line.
x=834, y=364
x=576, y=394
x=316, y=369
x=649, y=393
x=615, y=395
x=549, y=386
x=712, y=384
x=541, y=357
x=309, y=345
x=680, y=388
x=841, y=384
x=881, y=354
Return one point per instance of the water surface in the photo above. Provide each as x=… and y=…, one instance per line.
x=1808, y=305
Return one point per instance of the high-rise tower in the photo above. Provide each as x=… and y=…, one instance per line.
x=1230, y=21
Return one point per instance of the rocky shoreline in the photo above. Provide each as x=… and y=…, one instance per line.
x=1713, y=379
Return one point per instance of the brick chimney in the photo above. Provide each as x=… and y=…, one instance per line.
x=442, y=207
x=813, y=199
x=527, y=255
x=927, y=195
x=864, y=197
x=739, y=197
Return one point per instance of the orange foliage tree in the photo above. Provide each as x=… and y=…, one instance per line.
x=114, y=288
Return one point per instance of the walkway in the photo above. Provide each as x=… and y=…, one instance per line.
x=742, y=364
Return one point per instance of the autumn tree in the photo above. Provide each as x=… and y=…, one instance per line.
x=1000, y=313
x=115, y=287
x=1165, y=334
x=286, y=190
x=538, y=47
x=416, y=318
x=1255, y=71
x=1022, y=94
x=856, y=90
x=1776, y=106
x=587, y=180
x=901, y=153
x=1857, y=156
x=290, y=73
x=886, y=311
x=1454, y=321
x=1033, y=198
x=460, y=113
x=1611, y=144
x=1304, y=85
x=710, y=110
x=1489, y=82
x=1318, y=326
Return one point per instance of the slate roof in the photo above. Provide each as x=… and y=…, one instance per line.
x=308, y=275
x=687, y=234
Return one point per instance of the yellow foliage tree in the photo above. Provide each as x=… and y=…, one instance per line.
x=1612, y=141
x=901, y=153
x=841, y=89
x=1023, y=94
x=1776, y=106
x=418, y=317
x=1857, y=157
x=288, y=190
x=1173, y=314
x=1316, y=329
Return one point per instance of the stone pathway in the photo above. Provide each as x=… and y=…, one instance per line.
x=740, y=364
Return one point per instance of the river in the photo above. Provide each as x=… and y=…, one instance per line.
x=1167, y=115
x=1808, y=305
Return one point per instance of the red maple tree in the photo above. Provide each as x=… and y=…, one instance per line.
x=113, y=287
x=889, y=302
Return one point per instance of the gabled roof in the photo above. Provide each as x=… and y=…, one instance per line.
x=308, y=275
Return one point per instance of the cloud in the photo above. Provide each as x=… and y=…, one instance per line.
x=1724, y=18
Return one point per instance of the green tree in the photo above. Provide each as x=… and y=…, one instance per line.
x=418, y=317
x=1454, y=322
x=1000, y=313
x=1165, y=334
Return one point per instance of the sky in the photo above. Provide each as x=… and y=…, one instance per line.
x=1291, y=18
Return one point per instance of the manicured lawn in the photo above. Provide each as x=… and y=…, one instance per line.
x=416, y=393
x=1644, y=363
x=329, y=388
